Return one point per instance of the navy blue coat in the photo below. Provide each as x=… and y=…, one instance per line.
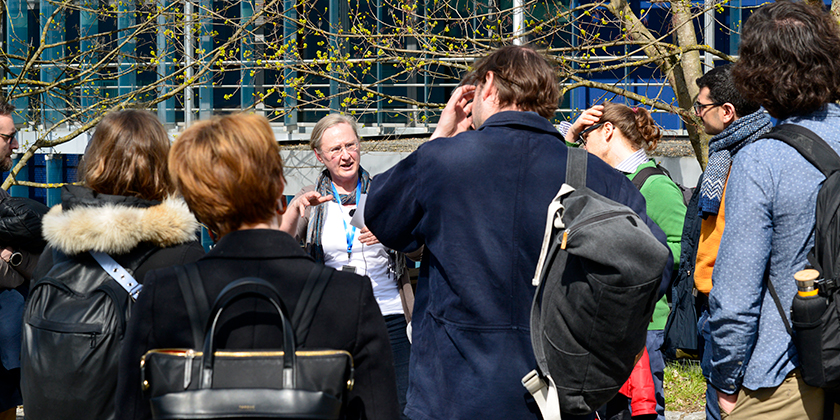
x=478, y=203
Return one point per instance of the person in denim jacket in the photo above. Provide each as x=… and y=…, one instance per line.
x=788, y=64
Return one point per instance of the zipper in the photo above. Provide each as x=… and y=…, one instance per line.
x=598, y=218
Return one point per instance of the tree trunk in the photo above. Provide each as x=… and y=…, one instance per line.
x=681, y=71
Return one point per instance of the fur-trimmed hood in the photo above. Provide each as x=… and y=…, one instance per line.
x=117, y=227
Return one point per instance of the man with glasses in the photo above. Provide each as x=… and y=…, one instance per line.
x=734, y=122
x=8, y=135
x=13, y=262
x=476, y=196
x=15, y=269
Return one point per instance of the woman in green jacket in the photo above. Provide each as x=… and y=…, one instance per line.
x=622, y=137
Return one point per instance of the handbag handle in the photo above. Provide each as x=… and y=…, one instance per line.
x=238, y=289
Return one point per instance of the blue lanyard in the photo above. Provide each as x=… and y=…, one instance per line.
x=352, y=233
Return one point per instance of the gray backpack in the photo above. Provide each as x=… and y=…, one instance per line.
x=597, y=280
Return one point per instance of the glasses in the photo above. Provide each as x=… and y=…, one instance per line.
x=339, y=150
x=585, y=133
x=8, y=137
x=698, y=107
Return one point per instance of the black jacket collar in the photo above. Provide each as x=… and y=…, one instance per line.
x=257, y=243
x=77, y=195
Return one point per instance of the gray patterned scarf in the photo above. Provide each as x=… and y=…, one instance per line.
x=722, y=148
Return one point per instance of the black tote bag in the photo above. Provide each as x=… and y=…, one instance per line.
x=281, y=383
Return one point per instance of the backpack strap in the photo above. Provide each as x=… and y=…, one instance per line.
x=778, y=303
x=645, y=173
x=576, y=161
x=309, y=299
x=198, y=308
x=810, y=145
x=817, y=152
x=118, y=273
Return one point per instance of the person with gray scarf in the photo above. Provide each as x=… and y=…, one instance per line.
x=319, y=216
x=735, y=122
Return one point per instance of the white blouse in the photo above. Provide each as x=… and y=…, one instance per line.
x=367, y=260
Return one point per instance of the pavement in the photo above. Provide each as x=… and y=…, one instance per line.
x=678, y=415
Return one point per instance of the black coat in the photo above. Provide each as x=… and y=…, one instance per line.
x=127, y=228
x=347, y=318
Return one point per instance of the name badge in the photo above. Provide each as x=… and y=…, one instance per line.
x=349, y=268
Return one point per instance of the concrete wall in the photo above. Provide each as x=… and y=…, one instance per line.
x=684, y=170
x=303, y=169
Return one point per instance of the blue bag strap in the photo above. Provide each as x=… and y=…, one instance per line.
x=118, y=273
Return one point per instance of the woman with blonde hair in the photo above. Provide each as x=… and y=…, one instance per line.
x=320, y=215
x=121, y=210
x=230, y=173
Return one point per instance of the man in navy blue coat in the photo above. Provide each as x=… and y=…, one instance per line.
x=477, y=200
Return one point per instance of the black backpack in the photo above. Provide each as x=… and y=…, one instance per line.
x=73, y=327
x=597, y=280
x=645, y=173
x=681, y=338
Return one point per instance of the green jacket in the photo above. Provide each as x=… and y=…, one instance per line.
x=665, y=206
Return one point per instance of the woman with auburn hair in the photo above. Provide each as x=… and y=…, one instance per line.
x=622, y=137
x=320, y=215
x=122, y=209
x=230, y=173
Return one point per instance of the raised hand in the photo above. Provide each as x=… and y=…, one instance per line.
x=456, y=116
x=587, y=118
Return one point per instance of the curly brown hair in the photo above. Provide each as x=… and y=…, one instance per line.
x=635, y=124
x=789, y=59
x=523, y=77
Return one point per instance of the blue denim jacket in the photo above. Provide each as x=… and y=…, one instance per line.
x=770, y=203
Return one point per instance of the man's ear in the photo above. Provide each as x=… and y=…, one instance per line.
x=489, y=85
x=728, y=114
x=282, y=205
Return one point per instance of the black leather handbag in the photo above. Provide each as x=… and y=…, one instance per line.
x=283, y=383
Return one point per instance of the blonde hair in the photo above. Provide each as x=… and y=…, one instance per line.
x=328, y=122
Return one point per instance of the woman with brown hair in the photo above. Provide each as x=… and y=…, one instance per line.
x=622, y=137
x=122, y=210
x=230, y=173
